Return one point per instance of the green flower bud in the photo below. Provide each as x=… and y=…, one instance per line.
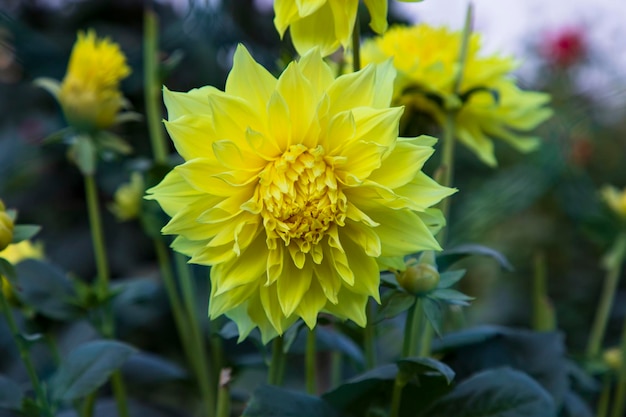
x=6, y=227
x=421, y=276
x=613, y=358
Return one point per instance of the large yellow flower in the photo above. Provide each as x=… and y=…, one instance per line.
x=293, y=187
x=326, y=24
x=89, y=94
x=491, y=105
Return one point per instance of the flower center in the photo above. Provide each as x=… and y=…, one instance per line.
x=301, y=199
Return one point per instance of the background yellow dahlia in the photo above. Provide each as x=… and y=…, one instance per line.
x=488, y=103
x=293, y=187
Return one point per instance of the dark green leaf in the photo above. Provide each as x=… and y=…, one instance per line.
x=46, y=288
x=270, y=401
x=433, y=311
x=147, y=368
x=450, y=296
x=24, y=232
x=449, y=278
x=450, y=256
x=539, y=354
x=419, y=366
x=500, y=392
x=7, y=270
x=574, y=406
x=393, y=303
x=357, y=391
x=87, y=367
x=10, y=394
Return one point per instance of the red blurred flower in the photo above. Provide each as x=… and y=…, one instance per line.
x=564, y=47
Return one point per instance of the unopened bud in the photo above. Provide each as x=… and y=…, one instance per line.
x=613, y=358
x=421, y=276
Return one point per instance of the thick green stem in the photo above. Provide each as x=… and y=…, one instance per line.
x=223, y=395
x=369, y=338
x=619, y=404
x=605, y=397
x=152, y=86
x=356, y=45
x=412, y=330
x=426, y=340
x=310, y=356
x=396, y=395
x=102, y=284
x=613, y=264
x=275, y=372
x=205, y=372
x=24, y=352
x=88, y=405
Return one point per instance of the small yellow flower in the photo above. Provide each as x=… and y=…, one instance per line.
x=293, y=187
x=127, y=198
x=615, y=199
x=326, y=24
x=16, y=253
x=90, y=94
x=488, y=103
x=6, y=227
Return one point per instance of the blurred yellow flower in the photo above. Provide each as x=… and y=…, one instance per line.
x=89, y=94
x=16, y=253
x=488, y=104
x=6, y=227
x=326, y=24
x=127, y=199
x=292, y=187
x=615, y=199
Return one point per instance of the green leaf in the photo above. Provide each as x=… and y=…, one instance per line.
x=270, y=401
x=393, y=303
x=328, y=339
x=449, y=278
x=7, y=270
x=50, y=85
x=45, y=288
x=450, y=296
x=420, y=366
x=57, y=136
x=83, y=153
x=88, y=367
x=450, y=256
x=111, y=142
x=357, y=391
x=433, y=311
x=148, y=369
x=24, y=232
x=500, y=392
x=11, y=394
x=539, y=354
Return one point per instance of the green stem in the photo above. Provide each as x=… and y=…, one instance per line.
x=446, y=169
x=396, y=396
x=369, y=338
x=102, y=284
x=275, y=372
x=543, y=317
x=223, y=395
x=205, y=372
x=310, y=356
x=88, y=405
x=22, y=348
x=412, y=329
x=428, y=332
x=336, y=361
x=619, y=404
x=467, y=32
x=605, y=397
x=152, y=86
x=356, y=45
x=613, y=264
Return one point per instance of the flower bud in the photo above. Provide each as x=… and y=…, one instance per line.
x=613, y=358
x=421, y=276
x=127, y=199
x=6, y=227
x=615, y=199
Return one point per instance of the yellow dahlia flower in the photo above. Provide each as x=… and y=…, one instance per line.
x=90, y=94
x=292, y=187
x=326, y=24
x=488, y=103
x=615, y=199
